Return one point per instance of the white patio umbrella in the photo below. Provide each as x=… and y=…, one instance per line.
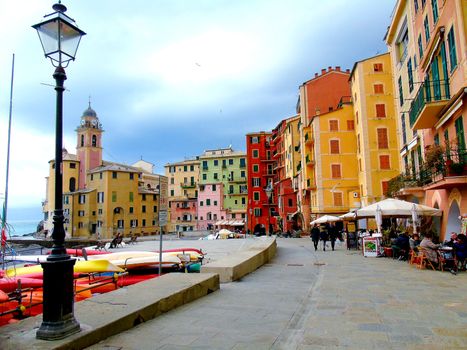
x=379, y=218
x=348, y=216
x=414, y=218
x=396, y=208
x=326, y=218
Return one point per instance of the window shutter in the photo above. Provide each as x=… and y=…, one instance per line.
x=380, y=110
x=382, y=138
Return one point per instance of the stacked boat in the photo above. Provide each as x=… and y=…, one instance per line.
x=95, y=272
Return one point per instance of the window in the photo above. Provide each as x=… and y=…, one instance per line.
x=143, y=224
x=185, y=168
x=434, y=5
x=410, y=74
x=378, y=88
x=452, y=49
x=114, y=174
x=257, y=212
x=336, y=171
x=131, y=210
x=131, y=175
x=82, y=199
x=358, y=143
x=256, y=196
x=205, y=176
x=254, y=139
x=131, y=197
x=94, y=141
x=172, y=193
x=72, y=184
x=420, y=46
x=401, y=92
x=215, y=176
x=82, y=140
x=231, y=161
x=384, y=187
x=80, y=212
x=201, y=203
x=436, y=139
x=66, y=200
x=208, y=201
x=255, y=153
x=172, y=181
x=99, y=211
x=380, y=110
x=80, y=225
x=255, y=168
x=100, y=197
x=460, y=135
x=72, y=165
x=378, y=67
x=154, y=209
x=205, y=165
x=100, y=176
x=426, y=25
x=337, y=199
x=382, y=138
x=114, y=196
x=243, y=200
x=334, y=146
x=256, y=182
x=242, y=162
x=216, y=162
x=144, y=197
x=214, y=188
x=404, y=132
x=384, y=162
x=333, y=125
x=215, y=203
x=143, y=209
x=290, y=202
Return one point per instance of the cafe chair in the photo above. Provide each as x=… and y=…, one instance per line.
x=424, y=261
x=447, y=260
x=414, y=257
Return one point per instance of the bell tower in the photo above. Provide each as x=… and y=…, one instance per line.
x=89, y=146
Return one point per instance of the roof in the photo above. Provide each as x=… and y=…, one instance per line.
x=109, y=166
x=183, y=162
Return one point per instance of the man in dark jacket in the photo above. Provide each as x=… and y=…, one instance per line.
x=315, y=236
x=323, y=235
x=333, y=234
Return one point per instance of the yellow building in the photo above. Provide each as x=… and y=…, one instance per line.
x=183, y=179
x=375, y=127
x=333, y=161
x=112, y=198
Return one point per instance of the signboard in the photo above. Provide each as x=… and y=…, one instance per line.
x=370, y=246
x=163, y=218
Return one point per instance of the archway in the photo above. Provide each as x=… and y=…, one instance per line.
x=72, y=186
x=454, y=224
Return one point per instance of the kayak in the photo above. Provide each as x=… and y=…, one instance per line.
x=9, y=284
x=81, y=266
x=137, y=259
x=193, y=253
x=79, y=252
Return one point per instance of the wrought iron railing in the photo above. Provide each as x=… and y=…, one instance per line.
x=430, y=91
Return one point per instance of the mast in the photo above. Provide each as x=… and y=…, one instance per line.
x=5, y=203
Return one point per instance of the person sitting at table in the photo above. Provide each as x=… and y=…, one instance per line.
x=414, y=242
x=460, y=248
x=429, y=248
x=401, y=247
x=453, y=240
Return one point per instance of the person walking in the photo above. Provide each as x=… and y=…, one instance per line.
x=333, y=235
x=315, y=235
x=323, y=235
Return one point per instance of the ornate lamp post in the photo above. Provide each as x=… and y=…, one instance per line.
x=60, y=38
x=269, y=191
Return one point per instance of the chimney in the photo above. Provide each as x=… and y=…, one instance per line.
x=338, y=68
x=316, y=74
x=329, y=69
x=347, y=70
x=323, y=71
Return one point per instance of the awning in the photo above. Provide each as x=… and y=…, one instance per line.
x=237, y=223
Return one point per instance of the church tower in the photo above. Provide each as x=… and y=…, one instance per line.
x=89, y=146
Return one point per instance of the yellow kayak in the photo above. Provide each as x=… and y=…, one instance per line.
x=81, y=266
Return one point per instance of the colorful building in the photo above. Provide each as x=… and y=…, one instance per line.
x=375, y=126
x=183, y=178
x=261, y=207
x=433, y=70
x=223, y=190
x=103, y=198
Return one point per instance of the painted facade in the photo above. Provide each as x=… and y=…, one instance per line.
x=375, y=125
x=113, y=198
x=437, y=79
x=183, y=178
x=261, y=209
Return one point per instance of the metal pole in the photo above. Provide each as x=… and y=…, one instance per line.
x=160, y=227
x=58, y=319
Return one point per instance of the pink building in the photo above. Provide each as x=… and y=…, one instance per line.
x=210, y=204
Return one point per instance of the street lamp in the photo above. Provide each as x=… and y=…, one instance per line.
x=269, y=191
x=60, y=38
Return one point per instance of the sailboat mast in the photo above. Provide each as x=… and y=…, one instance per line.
x=5, y=203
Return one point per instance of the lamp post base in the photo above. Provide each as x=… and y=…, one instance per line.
x=58, y=319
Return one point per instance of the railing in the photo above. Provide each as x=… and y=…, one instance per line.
x=430, y=91
x=450, y=163
x=188, y=184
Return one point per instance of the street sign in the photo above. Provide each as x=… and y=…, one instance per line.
x=163, y=218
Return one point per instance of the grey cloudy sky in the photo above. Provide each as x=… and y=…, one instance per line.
x=169, y=79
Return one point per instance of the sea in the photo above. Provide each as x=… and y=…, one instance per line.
x=23, y=221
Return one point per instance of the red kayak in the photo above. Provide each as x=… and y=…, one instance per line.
x=79, y=252
x=9, y=284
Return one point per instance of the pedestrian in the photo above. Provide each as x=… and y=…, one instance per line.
x=333, y=234
x=315, y=234
x=323, y=235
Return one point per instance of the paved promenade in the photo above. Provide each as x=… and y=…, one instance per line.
x=315, y=300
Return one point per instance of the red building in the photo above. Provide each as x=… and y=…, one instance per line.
x=260, y=208
x=285, y=195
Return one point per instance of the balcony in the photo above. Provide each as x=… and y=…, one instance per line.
x=267, y=160
x=237, y=179
x=205, y=167
x=188, y=184
x=442, y=170
x=310, y=184
x=309, y=140
x=431, y=98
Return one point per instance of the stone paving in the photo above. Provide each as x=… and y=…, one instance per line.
x=316, y=300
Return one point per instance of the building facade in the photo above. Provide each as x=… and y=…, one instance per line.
x=112, y=198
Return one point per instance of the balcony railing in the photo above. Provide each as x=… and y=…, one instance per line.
x=450, y=163
x=188, y=184
x=428, y=102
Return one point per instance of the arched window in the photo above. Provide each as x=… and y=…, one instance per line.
x=94, y=141
x=72, y=184
x=82, y=140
